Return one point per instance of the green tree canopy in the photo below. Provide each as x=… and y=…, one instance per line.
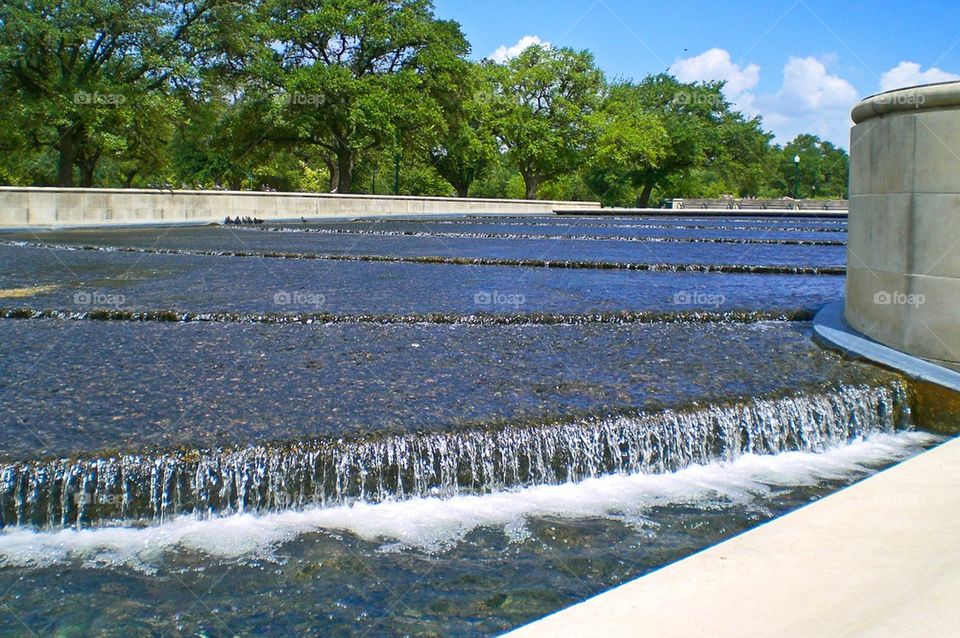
x=91, y=75
x=542, y=114
x=630, y=142
x=699, y=125
x=468, y=147
x=360, y=94
x=822, y=170
x=352, y=76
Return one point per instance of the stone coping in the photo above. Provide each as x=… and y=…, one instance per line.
x=226, y=193
x=915, y=98
x=832, y=330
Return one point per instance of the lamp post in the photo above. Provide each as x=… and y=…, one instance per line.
x=796, y=177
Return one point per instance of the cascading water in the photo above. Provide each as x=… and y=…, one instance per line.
x=151, y=487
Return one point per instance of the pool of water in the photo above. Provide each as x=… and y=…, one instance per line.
x=409, y=427
x=550, y=247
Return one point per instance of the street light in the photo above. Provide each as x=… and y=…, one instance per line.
x=796, y=177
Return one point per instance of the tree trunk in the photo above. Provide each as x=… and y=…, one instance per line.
x=88, y=166
x=463, y=190
x=531, y=182
x=644, y=200
x=345, y=158
x=67, y=148
x=333, y=170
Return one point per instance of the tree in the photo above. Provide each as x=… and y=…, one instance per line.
x=542, y=111
x=354, y=76
x=822, y=170
x=630, y=142
x=468, y=147
x=87, y=72
x=691, y=114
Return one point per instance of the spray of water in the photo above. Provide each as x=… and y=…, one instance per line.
x=157, y=486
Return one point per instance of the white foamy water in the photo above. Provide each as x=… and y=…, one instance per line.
x=431, y=524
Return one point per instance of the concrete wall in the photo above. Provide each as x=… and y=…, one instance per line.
x=903, y=272
x=777, y=213
x=784, y=203
x=21, y=207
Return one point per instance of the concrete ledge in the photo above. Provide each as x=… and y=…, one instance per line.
x=22, y=207
x=704, y=212
x=880, y=558
x=832, y=331
x=935, y=389
x=927, y=96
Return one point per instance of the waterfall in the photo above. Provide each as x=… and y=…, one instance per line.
x=150, y=487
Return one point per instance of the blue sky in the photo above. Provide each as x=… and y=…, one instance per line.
x=799, y=64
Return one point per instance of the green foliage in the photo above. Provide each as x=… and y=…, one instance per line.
x=91, y=77
x=351, y=76
x=468, y=147
x=325, y=95
x=822, y=170
x=543, y=104
x=630, y=142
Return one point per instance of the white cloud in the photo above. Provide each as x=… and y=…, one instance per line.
x=504, y=53
x=809, y=87
x=809, y=100
x=715, y=64
x=909, y=74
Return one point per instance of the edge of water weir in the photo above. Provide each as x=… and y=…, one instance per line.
x=479, y=318
x=747, y=269
x=150, y=487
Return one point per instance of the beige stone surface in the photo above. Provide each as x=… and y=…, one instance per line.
x=904, y=223
x=881, y=558
x=874, y=143
x=932, y=328
x=937, y=152
x=885, y=322
x=878, y=231
x=935, y=248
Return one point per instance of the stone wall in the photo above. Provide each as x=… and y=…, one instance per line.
x=736, y=203
x=903, y=272
x=23, y=207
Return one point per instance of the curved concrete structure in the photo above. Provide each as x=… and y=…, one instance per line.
x=903, y=266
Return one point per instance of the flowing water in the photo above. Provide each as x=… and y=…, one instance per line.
x=409, y=427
